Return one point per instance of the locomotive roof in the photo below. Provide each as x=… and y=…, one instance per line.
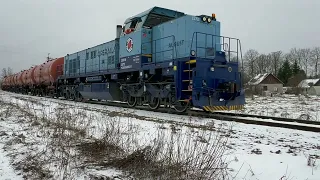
x=157, y=10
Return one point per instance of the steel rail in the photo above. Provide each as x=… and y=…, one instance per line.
x=297, y=124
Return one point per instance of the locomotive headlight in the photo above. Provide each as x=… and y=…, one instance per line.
x=212, y=69
x=171, y=63
x=204, y=19
x=141, y=73
x=209, y=20
x=229, y=69
x=193, y=53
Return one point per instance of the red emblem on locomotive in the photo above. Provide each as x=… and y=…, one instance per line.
x=129, y=45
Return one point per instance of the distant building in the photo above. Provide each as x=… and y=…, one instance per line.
x=263, y=83
x=310, y=86
x=296, y=79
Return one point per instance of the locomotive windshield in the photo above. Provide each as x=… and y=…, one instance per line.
x=136, y=23
x=156, y=19
x=147, y=21
x=150, y=18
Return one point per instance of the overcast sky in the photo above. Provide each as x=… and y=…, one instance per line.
x=30, y=29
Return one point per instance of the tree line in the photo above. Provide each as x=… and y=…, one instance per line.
x=297, y=64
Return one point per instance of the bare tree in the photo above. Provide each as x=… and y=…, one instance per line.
x=263, y=63
x=6, y=72
x=288, y=57
x=250, y=59
x=276, y=61
x=315, y=59
x=9, y=71
x=296, y=55
x=305, y=57
x=3, y=72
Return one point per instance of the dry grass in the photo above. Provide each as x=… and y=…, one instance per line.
x=73, y=140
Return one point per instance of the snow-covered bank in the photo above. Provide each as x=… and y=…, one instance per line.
x=6, y=170
x=254, y=152
x=286, y=106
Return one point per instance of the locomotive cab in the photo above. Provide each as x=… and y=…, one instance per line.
x=139, y=39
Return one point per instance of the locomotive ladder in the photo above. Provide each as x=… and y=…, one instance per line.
x=187, y=76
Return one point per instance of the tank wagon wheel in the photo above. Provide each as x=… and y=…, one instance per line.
x=155, y=104
x=181, y=106
x=72, y=97
x=66, y=95
x=79, y=97
x=132, y=101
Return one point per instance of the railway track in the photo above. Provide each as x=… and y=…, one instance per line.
x=313, y=126
x=297, y=124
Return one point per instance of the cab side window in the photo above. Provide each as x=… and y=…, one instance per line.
x=134, y=24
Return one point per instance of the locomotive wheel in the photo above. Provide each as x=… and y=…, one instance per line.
x=155, y=104
x=51, y=95
x=72, y=96
x=132, y=101
x=79, y=97
x=66, y=95
x=181, y=106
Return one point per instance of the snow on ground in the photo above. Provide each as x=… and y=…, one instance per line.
x=286, y=106
x=254, y=152
x=6, y=170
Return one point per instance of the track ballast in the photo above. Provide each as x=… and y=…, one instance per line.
x=297, y=124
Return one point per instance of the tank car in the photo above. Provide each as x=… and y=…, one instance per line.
x=24, y=77
x=43, y=78
x=16, y=80
x=4, y=83
x=29, y=79
x=7, y=85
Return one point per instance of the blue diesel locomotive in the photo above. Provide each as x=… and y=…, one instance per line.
x=160, y=57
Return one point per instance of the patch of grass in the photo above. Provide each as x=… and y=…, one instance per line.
x=75, y=140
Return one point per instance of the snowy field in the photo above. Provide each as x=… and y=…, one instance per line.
x=49, y=138
x=286, y=106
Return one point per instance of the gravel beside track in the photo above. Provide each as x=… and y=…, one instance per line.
x=304, y=125
x=298, y=124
